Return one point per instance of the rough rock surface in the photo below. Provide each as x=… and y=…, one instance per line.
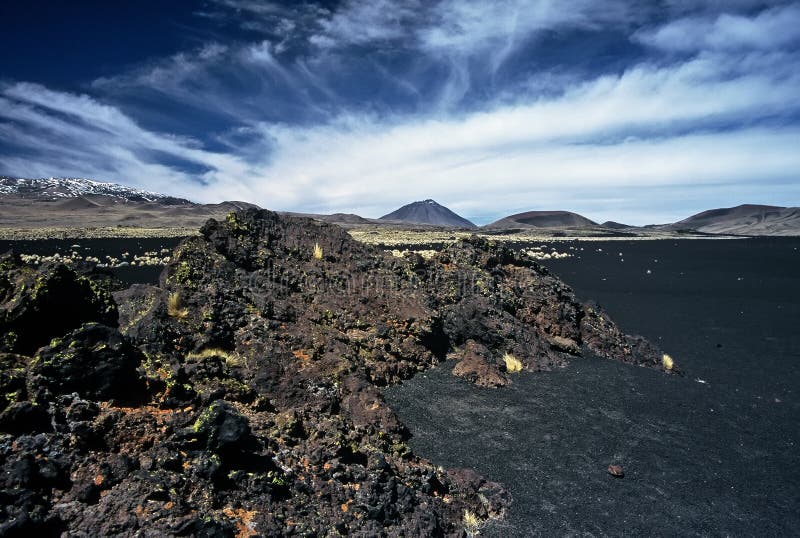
x=36, y=306
x=474, y=365
x=239, y=397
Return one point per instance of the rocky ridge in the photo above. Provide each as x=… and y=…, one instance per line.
x=241, y=396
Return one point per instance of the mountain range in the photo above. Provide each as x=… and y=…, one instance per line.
x=73, y=202
x=82, y=203
x=67, y=188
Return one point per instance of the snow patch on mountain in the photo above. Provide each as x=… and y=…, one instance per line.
x=55, y=187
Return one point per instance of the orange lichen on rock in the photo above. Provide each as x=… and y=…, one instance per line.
x=245, y=528
x=301, y=354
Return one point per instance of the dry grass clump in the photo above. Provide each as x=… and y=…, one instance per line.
x=472, y=525
x=513, y=364
x=667, y=362
x=230, y=359
x=317, y=251
x=175, y=307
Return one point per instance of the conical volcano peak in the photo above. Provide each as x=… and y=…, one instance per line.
x=428, y=212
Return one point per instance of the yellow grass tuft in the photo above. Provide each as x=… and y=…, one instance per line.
x=317, y=251
x=667, y=362
x=230, y=359
x=513, y=364
x=472, y=525
x=175, y=307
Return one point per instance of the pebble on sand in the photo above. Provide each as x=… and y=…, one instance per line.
x=616, y=471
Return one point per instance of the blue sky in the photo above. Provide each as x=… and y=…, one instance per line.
x=639, y=112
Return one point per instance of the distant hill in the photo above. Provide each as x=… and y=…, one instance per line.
x=614, y=225
x=69, y=203
x=428, y=212
x=543, y=219
x=340, y=219
x=747, y=219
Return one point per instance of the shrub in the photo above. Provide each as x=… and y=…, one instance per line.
x=513, y=364
x=317, y=251
x=175, y=307
x=472, y=525
x=667, y=362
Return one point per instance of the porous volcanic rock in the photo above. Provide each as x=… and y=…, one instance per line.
x=474, y=366
x=94, y=361
x=240, y=396
x=36, y=306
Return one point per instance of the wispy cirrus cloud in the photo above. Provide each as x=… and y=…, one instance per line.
x=79, y=136
x=366, y=106
x=359, y=22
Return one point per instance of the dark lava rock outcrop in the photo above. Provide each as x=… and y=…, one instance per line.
x=240, y=396
x=475, y=365
x=36, y=306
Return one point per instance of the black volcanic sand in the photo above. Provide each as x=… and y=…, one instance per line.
x=712, y=458
x=101, y=248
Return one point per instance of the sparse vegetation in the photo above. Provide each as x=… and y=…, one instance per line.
x=667, y=362
x=472, y=525
x=230, y=358
x=427, y=254
x=390, y=237
x=175, y=307
x=95, y=232
x=317, y=251
x=513, y=364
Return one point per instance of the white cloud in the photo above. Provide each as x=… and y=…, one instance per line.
x=649, y=128
x=240, y=83
x=367, y=21
x=463, y=26
x=716, y=124
x=76, y=135
x=254, y=7
x=645, y=129
x=770, y=29
x=371, y=173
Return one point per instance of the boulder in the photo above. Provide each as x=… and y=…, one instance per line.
x=475, y=366
x=222, y=427
x=95, y=361
x=43, y=304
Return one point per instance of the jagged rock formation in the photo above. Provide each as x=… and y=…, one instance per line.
x=428, y=212
x=239, y=397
